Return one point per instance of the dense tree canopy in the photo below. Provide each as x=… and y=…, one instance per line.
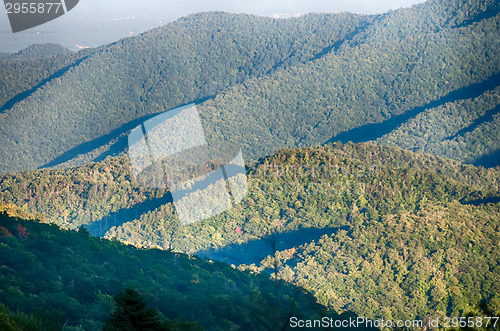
x=400, y=226
x=382, y=220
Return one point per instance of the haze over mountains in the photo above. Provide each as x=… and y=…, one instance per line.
x=270, y=83
x=93, y=23
x=403, y=223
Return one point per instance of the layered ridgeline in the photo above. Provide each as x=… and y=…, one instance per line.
x=116, y=87
x=464, y=130
x=55, y=279
x=379, y=231
x=275, y=83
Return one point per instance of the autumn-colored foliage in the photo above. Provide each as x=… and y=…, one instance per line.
x=5, y=232
x=22, y=231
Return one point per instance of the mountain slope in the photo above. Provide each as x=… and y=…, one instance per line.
x=37, y=51
x=187, y=61
x=104, y=192
x=382, y=231
x=68, y=277
x=464, y=130
x=405, y=62
x=379, y=231
x=437, y=261
x=21, y=77
x=300, y=204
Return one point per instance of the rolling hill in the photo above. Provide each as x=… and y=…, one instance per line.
x=112, y=87
x=384, y=211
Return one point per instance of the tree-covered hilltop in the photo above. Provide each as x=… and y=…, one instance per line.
x=56, y=279
x=404, y=235
x=105, y=192
x=423, y=228
x=82, y=195
x=270, y=83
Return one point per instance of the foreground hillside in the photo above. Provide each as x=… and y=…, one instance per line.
x=68, y=278
x=379, y=231
x=265, y=84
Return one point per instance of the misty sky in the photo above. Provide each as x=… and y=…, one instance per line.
x=96, y=22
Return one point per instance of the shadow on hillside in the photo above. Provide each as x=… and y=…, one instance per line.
x=122, y=216
x=23, y=95
x=119, y=146
x=487, y=117
x=256, y=250
x=374, y=131
x=326, y=50
x=336, y=45
x=479, y=202
x=119, y=135
x=482, y=16
x=361, y=134
x=488, y=161
x=89, y=146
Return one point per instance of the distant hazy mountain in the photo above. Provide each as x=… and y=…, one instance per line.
x=36, y=51
x=265, y=84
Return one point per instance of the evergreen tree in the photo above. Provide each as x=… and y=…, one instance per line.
x=131, y=314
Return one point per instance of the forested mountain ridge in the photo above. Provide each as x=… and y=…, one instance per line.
x=21, y=77
x=396, y=235
x=375, y=205
x=87, y=194
x=409, y=61
x=186, y=61
x=37, y=51
x=271, y=83
x=466, y=129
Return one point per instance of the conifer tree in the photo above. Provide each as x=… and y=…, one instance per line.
x=131, y=314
